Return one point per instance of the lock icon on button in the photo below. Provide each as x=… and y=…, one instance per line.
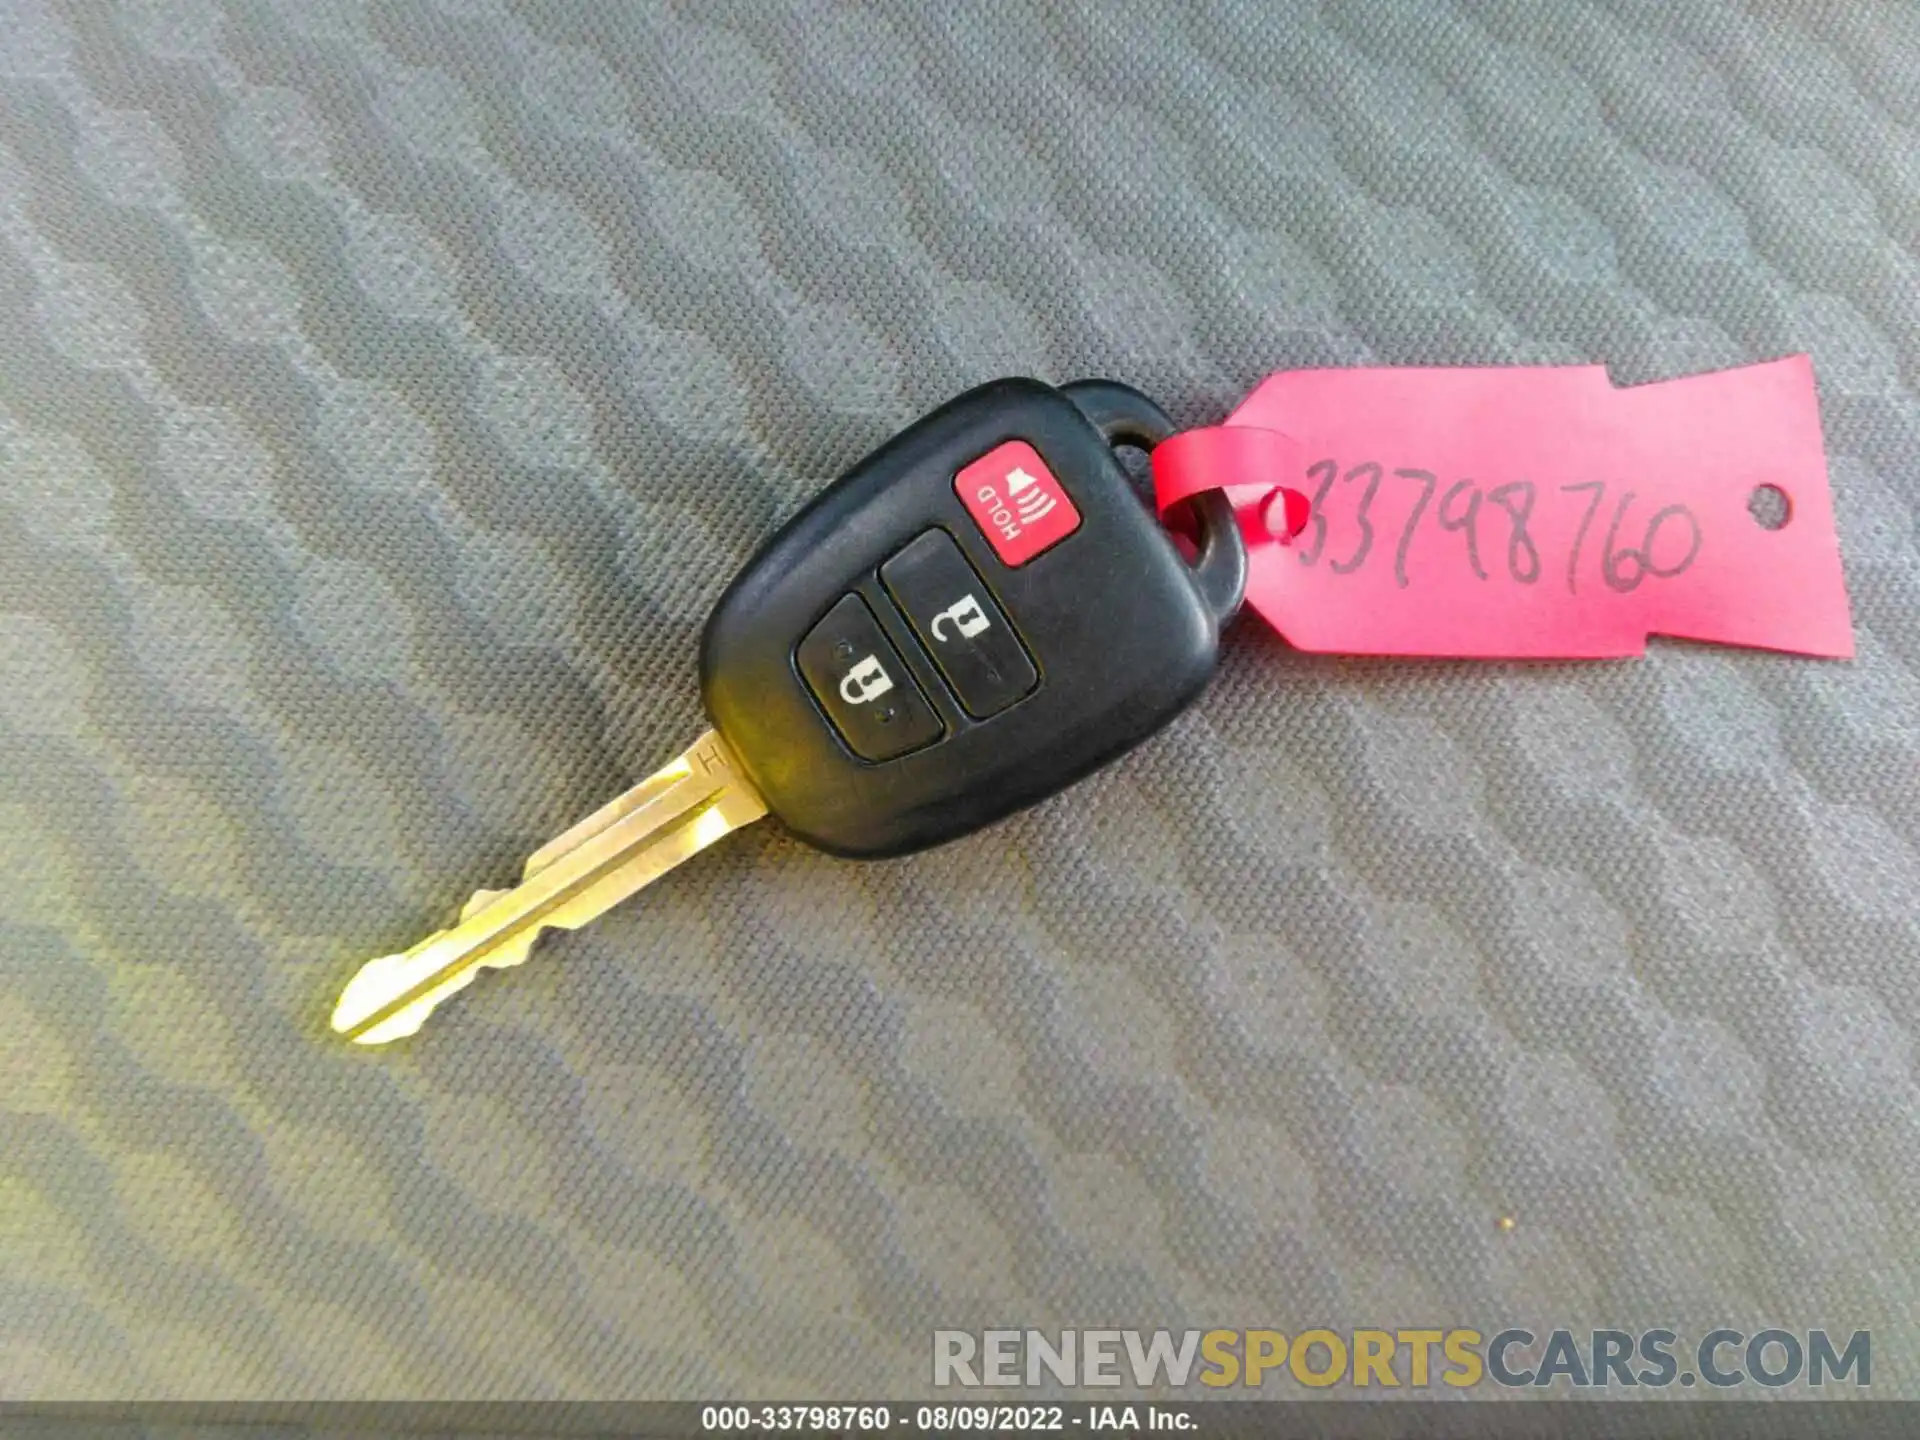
x=865, y=681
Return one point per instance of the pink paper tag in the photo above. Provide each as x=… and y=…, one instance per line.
x=1528, y=512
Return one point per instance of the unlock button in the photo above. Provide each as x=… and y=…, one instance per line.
x=862, y=684
x=956, y=619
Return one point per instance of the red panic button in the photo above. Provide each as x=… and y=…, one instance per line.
x=1016, y=502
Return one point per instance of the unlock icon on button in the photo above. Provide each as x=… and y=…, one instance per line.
x=966, y=617
x=866, y=681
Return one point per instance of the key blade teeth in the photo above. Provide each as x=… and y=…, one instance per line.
x=366, y=1012
x=395, y=1027
x=479, y=901
x=369, y=992
x=410, y=1017
x=622, y=847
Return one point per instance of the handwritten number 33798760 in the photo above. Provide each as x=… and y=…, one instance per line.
x=1625, y=553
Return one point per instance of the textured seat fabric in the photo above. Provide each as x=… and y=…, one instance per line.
x=387, y=390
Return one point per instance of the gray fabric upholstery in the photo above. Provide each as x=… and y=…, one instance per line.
x=386, y=390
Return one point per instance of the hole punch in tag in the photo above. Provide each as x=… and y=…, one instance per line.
x=1529, y=512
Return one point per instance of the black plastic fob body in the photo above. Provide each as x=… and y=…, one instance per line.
x=973, y=617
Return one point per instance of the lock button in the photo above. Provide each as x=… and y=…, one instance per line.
x=956, y=618
x=863, y=685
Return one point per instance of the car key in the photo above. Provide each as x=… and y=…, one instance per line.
x=976, y=615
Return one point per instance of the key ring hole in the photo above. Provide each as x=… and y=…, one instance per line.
x=1182, y=521
x=1218, y=558
x=1138, y=464
x=1770, y=506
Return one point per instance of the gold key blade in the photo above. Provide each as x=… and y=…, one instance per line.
x=672, y=815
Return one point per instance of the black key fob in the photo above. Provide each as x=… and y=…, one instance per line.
x=979, y=613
